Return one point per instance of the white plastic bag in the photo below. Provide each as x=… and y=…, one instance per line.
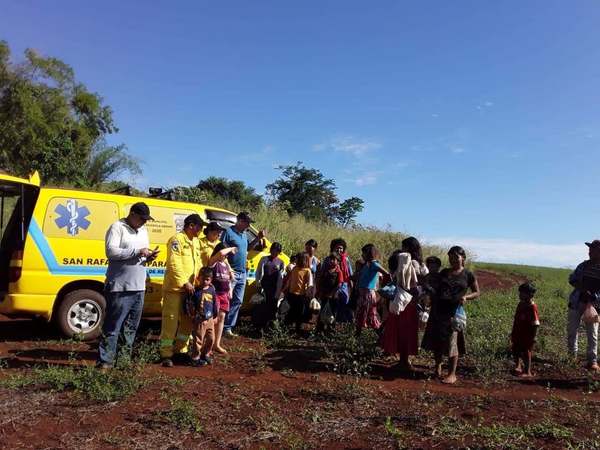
x=400, y=302
x=314, y=305
x=284, y=307
x=257, y=299
x=326, y=317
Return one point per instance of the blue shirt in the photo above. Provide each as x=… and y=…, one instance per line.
x=577, y=277
x=232, y=238
x=368, y=275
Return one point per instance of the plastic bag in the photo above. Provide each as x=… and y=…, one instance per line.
x=257, y=299
x=388, y=291
x=284, y=307
x=459, y=321
x=314, y=305
x=590, y=315
x=400, y=302
x=326, y=317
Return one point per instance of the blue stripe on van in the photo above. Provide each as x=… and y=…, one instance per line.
x=58, y=269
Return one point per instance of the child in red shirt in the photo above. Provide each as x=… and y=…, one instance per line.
x=524, y=330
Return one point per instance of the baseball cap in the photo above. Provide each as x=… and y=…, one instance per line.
x=594, y=243
x=245, y=216
x=142, y=210
x=213, y=226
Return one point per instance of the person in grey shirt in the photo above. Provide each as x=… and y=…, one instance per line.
x=126, y=246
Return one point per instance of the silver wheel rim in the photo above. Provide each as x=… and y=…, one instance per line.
x=84, y=316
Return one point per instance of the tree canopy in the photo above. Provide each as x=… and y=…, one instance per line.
x=307, y=192
x=51, y=123
x=231, y=191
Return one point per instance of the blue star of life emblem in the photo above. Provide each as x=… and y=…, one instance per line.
x=72, y=216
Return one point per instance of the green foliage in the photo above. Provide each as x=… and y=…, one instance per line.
x=49, y=122
x=351, y=354
x=277, y=336
x=347, y=211
x=307, y=192
x=499, y=435
x=92, y=384
x=106, y=163
x=231, y=191
x=182, y=413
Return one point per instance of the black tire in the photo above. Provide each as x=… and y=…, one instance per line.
x=81, y=314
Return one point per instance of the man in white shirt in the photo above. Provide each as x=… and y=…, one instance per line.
x=126, y=246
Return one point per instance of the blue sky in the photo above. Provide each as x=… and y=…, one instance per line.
x=475, y=123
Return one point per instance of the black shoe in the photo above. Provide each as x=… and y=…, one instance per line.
x=181, y=359
x=200, y=362
x=167, y=362
x=208, y=360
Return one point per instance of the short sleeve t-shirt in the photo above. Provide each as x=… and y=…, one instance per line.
x=272, y=272
x=221, y=277
x=368, y=275
x=207, y=306
x=300, y=280
x=451, y=288
x=524, y=325
x=232, y=238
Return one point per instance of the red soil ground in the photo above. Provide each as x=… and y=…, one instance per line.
x=255, y=398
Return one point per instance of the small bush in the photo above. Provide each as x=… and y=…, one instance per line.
x=277, y=336
x=351, y=354
x=92, y=384
x=183, y=414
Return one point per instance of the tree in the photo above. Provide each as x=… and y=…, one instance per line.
x=49, y=122
x=106, y=162
x=347, y=210
x=231, y=191
x=307, y=192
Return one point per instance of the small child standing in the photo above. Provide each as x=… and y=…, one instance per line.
x=223, y=277
x=366, y=310
x=205, y=309
x=524, y=330
x=269, y=276
x=298, y=288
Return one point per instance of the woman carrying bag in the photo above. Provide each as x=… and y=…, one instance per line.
x=400, y=332
x=445, y=335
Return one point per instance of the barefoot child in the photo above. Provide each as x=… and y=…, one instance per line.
x=366, y=311
x=269, y=277
x=223, y=277
x=524, y=330
x=204, y=310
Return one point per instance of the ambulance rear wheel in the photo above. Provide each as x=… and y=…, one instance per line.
x=81, y=314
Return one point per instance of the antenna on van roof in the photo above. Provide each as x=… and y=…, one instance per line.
x=126, y=190
x=158, y=192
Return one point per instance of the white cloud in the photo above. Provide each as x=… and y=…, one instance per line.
x=367, y=179
x=349, y=144
x=457, y=150
x=519, y=252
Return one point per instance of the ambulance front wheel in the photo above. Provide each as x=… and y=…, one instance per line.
x=81, y=313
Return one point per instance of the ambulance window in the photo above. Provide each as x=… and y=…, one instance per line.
x=167, y=222
x=79, y=218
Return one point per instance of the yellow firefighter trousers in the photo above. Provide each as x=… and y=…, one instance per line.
x=176, y=326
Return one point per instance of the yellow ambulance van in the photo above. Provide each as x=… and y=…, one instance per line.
x=52, y=258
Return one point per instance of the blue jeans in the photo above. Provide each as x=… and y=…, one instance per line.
x=236, y=300
x=123, y=315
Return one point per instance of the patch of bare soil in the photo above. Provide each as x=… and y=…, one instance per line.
x=495, y=281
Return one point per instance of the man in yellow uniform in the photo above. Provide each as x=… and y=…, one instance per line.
x=183, y=264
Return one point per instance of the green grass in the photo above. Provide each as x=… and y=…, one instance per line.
x=490, y=319
x=183, y=414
